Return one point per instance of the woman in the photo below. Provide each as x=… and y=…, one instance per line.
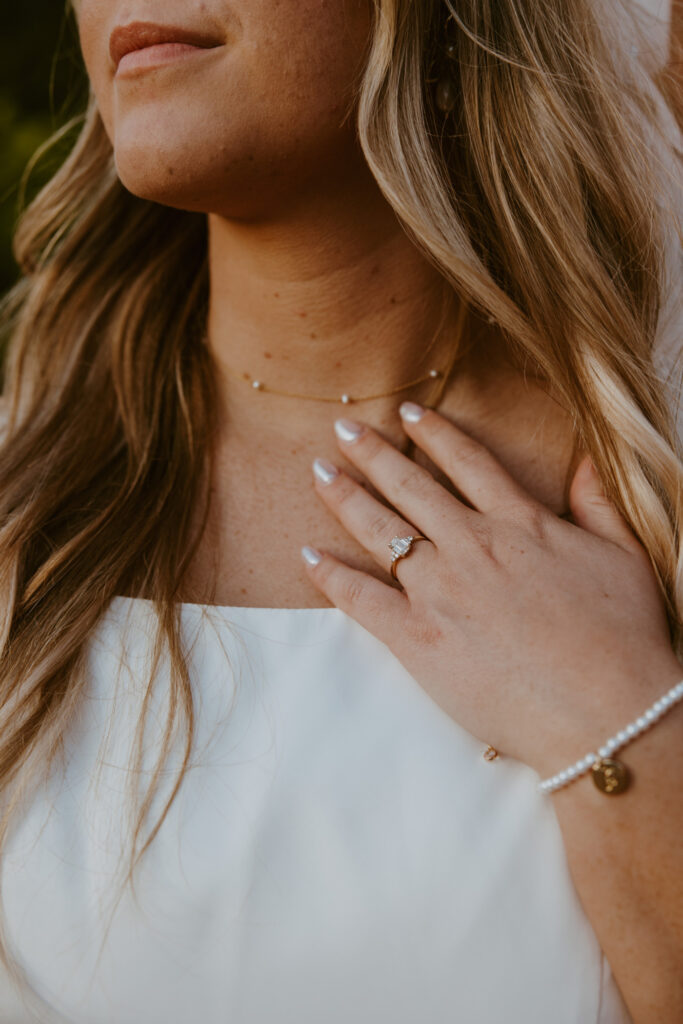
x=419, y=247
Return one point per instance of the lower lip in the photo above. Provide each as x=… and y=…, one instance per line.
x=157, y=56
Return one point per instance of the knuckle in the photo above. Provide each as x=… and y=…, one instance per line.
x=353, y=591
x=423, y=633
x=602, y=503
x=379, y=527
x=324, y=572
x=464, y=452
x=413, y=481
x=468, y=451
x=344, y=490
x=372, y=446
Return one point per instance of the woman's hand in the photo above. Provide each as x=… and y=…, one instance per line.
x=538, y=636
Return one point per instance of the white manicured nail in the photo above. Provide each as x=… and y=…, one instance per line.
x=325, y=472
x=347, y=430
x=310, y=555
x=410, y=412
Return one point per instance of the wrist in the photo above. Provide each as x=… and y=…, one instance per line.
x=601, y=760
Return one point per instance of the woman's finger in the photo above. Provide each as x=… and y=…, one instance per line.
x=473, y=469
x=379, y=608
x=592, y=510
x=410, y=488
x=368, y=520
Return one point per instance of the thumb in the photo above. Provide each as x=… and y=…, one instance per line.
x=592, y=510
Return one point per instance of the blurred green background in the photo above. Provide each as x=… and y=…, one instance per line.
x=42, y=86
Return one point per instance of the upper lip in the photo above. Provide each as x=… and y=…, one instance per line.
x=141, y=34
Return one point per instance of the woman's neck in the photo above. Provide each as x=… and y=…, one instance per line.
x=329, y=301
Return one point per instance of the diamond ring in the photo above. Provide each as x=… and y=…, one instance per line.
x=400, y=548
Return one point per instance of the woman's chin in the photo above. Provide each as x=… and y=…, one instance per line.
x=166, y=177
x=239, y=185
x=232, y=198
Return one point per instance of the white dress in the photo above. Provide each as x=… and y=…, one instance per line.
x=340, y=853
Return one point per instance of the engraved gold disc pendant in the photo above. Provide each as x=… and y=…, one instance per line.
x=611, y=776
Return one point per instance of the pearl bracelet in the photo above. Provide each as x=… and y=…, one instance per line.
x=609, y=775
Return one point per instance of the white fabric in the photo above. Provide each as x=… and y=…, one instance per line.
x=341, y=851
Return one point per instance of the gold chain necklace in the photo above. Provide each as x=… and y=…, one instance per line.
x=440, y=375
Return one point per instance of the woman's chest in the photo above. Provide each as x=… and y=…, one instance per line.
x=265, y=508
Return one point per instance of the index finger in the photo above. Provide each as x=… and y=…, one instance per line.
x=469, y=465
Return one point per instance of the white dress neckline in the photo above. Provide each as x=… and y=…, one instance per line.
x=218, y=608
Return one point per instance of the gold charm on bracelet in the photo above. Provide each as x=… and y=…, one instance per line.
x=610, y=776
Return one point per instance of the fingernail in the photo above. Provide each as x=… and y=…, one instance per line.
x=410, y=412
x=311, y=555
x=325, y=472
x=347, y=430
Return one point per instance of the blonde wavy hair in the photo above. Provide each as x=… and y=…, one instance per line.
x=542, y=198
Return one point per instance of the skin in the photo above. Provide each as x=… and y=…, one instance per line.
x=316, y=289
